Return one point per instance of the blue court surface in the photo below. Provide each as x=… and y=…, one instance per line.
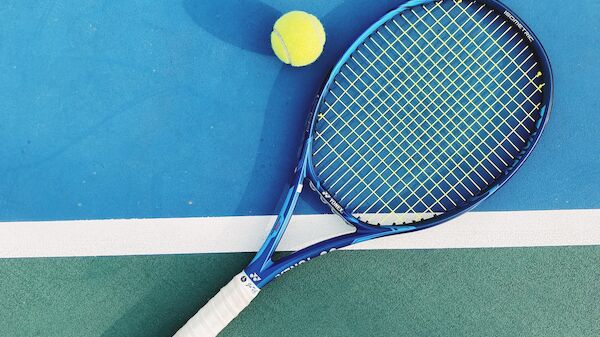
x=146, y=144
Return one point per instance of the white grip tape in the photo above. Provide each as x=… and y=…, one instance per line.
x=221, y=309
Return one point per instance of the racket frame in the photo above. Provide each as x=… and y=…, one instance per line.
x=262, y=269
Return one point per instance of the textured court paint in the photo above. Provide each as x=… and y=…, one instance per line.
x=547, y=292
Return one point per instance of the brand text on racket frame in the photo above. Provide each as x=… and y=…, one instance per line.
x=301, y=262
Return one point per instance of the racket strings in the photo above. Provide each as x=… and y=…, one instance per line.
x=428, y=112
x=450, y=172
x=453, y=187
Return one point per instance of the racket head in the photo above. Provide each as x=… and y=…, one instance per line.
x=413, y=141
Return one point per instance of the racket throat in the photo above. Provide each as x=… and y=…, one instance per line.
x=264, y=257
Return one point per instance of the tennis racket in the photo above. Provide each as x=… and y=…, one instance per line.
x=428, y=113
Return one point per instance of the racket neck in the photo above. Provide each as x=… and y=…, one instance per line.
x=263, y=258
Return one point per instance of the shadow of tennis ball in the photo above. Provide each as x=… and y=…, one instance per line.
x=242, y=23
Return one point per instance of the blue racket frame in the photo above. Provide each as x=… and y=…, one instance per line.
x=262, y=269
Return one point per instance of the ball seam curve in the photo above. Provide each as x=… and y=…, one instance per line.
x=287, y=52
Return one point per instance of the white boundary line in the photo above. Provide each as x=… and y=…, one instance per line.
x=245, y=234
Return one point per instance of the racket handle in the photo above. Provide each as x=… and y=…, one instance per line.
x=221, y=309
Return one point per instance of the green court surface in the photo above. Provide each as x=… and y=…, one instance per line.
x=463, y=292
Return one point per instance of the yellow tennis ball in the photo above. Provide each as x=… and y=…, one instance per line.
x=298, y=38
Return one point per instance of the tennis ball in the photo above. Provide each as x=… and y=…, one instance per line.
x=298, y=38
